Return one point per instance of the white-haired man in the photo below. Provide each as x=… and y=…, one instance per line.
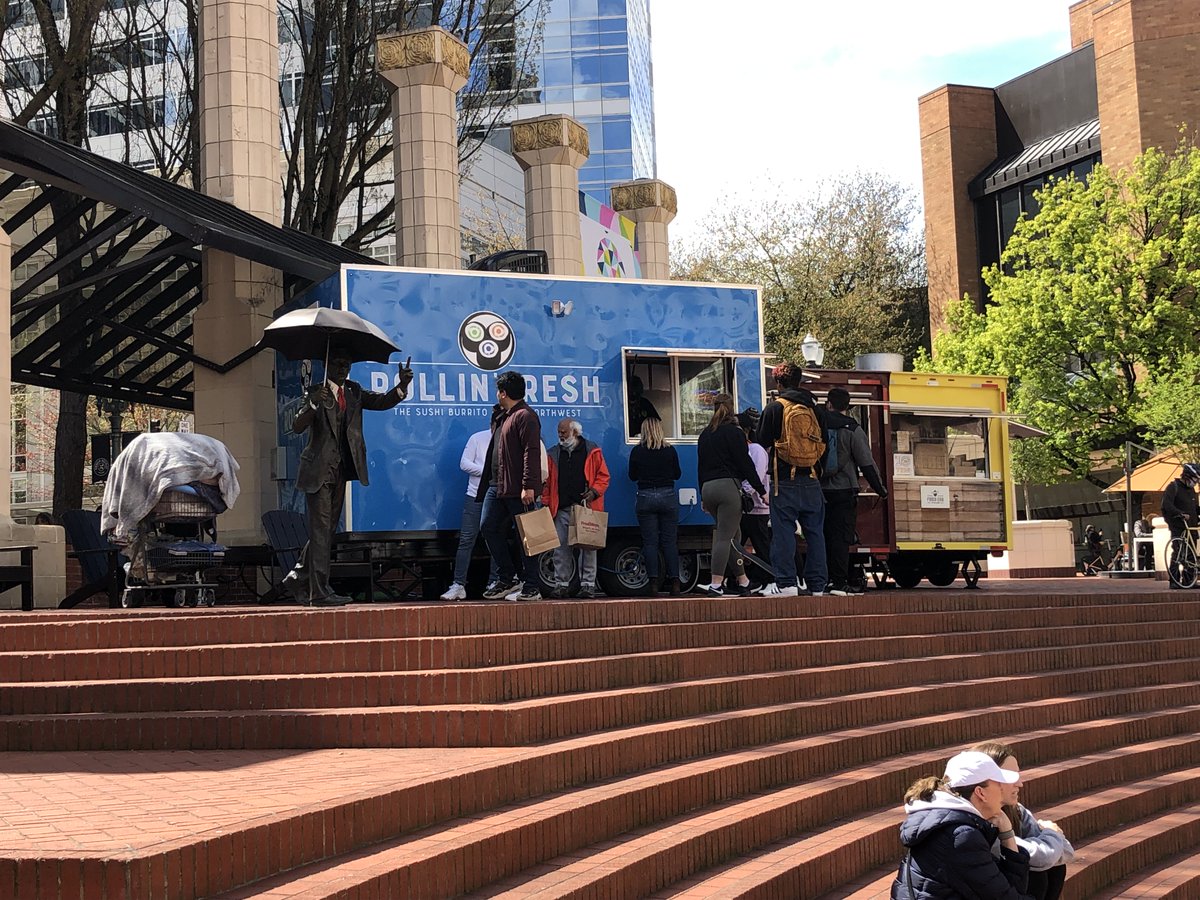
x=578, y=476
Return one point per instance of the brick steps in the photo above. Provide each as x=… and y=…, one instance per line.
x=1175, y=878
x=822, y=857
x=555, y=717
x=565, y=822
x=691, y=747
x=1118, y=833
x=877, y=614
x=499, y=684
x=420, y=654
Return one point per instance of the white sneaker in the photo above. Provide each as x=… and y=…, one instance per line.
x=513, y=595
x=455, y=592
x=771, y=589
x=787, y=592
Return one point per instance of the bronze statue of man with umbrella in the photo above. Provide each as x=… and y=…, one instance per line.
x=332, y=416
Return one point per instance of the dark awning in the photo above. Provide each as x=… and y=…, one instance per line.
x=122, y=327
x=1054, y=152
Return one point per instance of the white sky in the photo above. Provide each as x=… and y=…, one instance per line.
x=765, y=97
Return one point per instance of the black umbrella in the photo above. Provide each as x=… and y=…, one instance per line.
x=308, y=333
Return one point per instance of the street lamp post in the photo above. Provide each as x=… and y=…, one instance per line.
x=812, y=351
x=115, y=410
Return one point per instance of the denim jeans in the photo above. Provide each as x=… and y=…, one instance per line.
x=658, y=518
x=497, y=526
x=562, y=556
x=472, y=517
x=798, y=500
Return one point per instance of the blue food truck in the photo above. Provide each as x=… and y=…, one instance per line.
x=580, y=343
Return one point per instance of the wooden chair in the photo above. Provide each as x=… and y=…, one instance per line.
x=287, y=533
x=100, y=561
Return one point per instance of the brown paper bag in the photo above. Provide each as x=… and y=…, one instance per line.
x=589, y=528
x=537, y=531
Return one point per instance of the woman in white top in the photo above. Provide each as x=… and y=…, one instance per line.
x=1048, y=848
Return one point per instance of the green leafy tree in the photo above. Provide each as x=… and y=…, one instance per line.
x=1170, y=407
x=846, y=264
x=1093, y=300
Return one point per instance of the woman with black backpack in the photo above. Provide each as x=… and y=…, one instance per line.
x=723, y=463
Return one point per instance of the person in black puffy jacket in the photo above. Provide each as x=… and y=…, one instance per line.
x=949, y=830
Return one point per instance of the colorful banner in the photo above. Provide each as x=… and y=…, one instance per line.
x=608, y=241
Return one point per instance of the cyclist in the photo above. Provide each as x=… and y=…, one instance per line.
x=1180, y=506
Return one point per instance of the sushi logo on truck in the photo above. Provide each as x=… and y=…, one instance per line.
x=486, y=341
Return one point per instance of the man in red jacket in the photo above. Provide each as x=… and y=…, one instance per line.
x=578, y=477
x=514, y=466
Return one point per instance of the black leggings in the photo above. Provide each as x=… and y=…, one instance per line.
x=1047, y=885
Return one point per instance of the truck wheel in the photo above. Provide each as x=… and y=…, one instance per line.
x=622, y=571
x=942, y=574
x=546, y=580
x=689, y=572
x=906, y=574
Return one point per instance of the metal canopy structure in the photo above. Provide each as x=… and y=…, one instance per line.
x=121, y=328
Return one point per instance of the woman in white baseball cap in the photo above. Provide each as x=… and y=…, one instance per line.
x=949, y=830
x=1048, y=848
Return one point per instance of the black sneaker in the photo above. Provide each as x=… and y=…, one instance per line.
x=735, y=590
x=587, y=592
x=856, y=590
x=708, y=590
x=529, y=593
x=838, y=590
x=500, y=589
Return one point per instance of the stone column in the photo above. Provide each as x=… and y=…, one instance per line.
x=50, y=558
x=551, y=150
x=239, y=163
x=958, y=139
x=5, y=375
x=651, y=205
x=427, y=68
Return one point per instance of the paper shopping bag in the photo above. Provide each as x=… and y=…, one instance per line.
x=589, y=528
x=537, y=531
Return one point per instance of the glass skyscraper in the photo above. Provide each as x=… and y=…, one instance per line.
x=595, y=66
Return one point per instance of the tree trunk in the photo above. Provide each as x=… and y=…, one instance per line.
x=70, y=446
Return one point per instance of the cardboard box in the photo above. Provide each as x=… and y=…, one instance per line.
x=930, y=459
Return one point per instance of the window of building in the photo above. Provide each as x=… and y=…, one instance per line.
x=119, y=118
x=679, y=385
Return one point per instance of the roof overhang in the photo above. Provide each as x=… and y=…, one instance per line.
x=110, y=313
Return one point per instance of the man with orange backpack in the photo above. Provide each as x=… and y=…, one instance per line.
x=792, y=429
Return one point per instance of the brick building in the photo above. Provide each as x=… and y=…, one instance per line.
x=1131, y=80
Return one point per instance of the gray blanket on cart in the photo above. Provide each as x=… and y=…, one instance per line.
x=154, y=462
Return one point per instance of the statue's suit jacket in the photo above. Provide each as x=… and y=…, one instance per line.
x=324, y=445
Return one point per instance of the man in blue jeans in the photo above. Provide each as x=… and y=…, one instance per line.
x=474, y=458
x=795, y=497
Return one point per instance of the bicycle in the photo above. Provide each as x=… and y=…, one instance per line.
x=1183, y=563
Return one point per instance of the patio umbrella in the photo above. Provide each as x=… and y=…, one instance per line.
x=308, y=334
x=1153, y=475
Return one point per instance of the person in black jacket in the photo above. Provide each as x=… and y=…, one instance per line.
x=951, y=825
x=723, y=463
x=654, y=465
x=796, y=496
x=1180, y=507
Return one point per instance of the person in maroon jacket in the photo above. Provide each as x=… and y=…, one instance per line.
x=514, y=466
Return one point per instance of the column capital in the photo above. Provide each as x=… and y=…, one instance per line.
x=645, y=199
x=424, y=56
x=550, y=140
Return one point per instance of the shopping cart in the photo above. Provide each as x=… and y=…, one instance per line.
x=175, y=547
x=161, y=503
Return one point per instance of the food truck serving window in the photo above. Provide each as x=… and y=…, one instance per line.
x=678, y=386
x=927, y=445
